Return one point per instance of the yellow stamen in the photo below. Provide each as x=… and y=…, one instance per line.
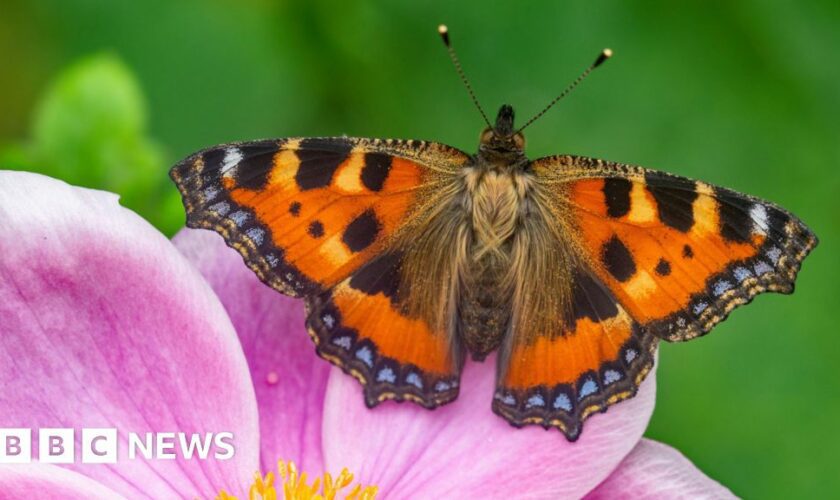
x=295, y=486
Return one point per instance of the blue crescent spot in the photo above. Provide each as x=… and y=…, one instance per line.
x=589, y=387
x=365, y=356
x=442, y=386
x=562, y=402
x=742, y=273
x=414, y=380
x=761, y=268
x=256, y=234
x=343, y=341
x=721, y=287
x=239, y=217
x=611, y=376
x=774, y=254
x=221, y=208
x=386, y=375
x=535, y=400
x=210, y=194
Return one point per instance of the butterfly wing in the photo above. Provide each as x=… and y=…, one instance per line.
x=660, y=257
x=678, y=254
x=318, y=217
x=596, y=356
x=362, y=326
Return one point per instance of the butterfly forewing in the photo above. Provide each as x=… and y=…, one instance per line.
x=678, y=254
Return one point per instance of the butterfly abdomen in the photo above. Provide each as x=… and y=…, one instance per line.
x=494, y=201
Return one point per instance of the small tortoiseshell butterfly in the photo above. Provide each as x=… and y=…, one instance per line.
x=410, y=254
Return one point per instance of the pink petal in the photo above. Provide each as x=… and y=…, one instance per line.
x=105, y=324
x=289, y=379
x=48, y=482
x=654, y=470
x=464, y=450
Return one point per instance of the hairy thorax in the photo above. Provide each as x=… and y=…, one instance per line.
x=489, y=246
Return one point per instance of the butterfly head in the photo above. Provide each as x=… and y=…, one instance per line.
x=502, y=140
x=502, y=144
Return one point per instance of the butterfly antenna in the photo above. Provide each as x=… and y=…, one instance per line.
x=444, y=35
x=603, y=56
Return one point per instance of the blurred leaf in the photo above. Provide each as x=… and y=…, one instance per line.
x=90, y=130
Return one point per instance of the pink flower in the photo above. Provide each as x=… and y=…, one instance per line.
x=104, y=323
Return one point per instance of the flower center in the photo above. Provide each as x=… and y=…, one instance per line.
x=295, y=486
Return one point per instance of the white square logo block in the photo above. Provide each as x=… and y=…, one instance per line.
x=56, y=446
x=99, y=446
x=15, y=446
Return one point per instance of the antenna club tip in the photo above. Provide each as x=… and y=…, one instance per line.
x=605, y=54
x=443, y=31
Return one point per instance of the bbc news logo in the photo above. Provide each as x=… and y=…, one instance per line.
x=100, y=446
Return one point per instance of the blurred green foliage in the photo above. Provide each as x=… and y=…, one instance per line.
x=744, y=94
x=90, y=129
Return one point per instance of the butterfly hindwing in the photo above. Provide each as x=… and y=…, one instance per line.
x=361, y=326
x=596, y=356
x=678, y=254
x=306, y=213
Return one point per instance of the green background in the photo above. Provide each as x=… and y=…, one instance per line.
x=110, y=93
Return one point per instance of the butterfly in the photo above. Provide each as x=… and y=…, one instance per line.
x=411, y=255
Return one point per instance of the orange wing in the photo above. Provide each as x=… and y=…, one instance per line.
x=361, y=326
x=660, y=256
x=597, y=356
x=316, y=217
x=678, y=254
x=306, y=213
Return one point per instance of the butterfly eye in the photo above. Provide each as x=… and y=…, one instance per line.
x=486, y=135
x=519, y=140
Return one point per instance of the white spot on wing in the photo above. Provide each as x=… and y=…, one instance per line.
x=759, y=216
x=232, y=158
